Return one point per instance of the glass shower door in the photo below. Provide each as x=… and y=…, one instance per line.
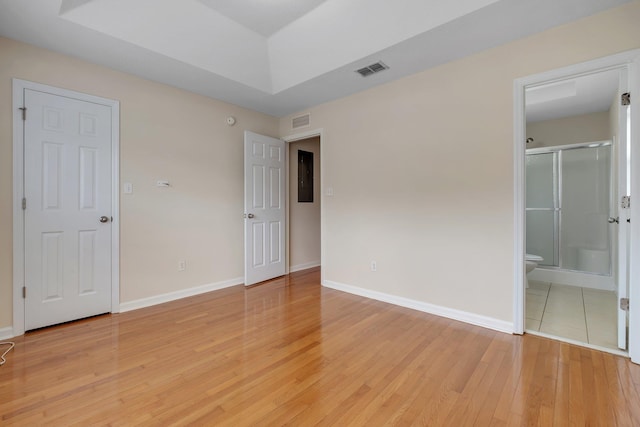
x=542, y=207
x=586, y=189
x=568, y=203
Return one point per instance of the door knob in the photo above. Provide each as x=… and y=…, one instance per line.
x=249, y=216
x=612, y=220
x=104, y=219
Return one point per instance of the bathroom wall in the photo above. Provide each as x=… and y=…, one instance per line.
x=422, y=170
x=304, y=218
x=165, y=133
x=570, y=130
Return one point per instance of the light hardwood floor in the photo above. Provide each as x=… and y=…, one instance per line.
x=292, y=352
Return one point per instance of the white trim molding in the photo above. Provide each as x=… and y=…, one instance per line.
x=519, y=242
x=176, y=295
x=19, y=87
x=304, y=266
x=449, y=313
x=634, y=255
x=6, y=333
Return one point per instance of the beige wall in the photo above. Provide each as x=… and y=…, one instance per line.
x=570, y=130
x=304, y=218
x=422, y=170
x=165, y=133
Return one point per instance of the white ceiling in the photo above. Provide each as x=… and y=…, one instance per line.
x=279, y=56
x=265, y=17
x=592, y=93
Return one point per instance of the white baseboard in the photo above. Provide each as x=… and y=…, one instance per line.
x=450, y=313
x=172, y=296
x=300, y=267
x=6, y=333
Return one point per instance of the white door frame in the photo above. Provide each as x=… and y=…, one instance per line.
x=631, y=61
x=18, y=191
x=293, y=138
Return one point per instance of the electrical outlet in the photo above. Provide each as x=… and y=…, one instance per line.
x=182, y=265
x=374, y=266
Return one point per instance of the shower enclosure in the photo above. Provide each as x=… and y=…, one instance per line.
x=568, y=200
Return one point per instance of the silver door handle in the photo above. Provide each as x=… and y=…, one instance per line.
x=612, y=220
x=249, y=216
x=104, y=219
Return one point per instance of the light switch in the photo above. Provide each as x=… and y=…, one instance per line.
x=329, y=191
x=128, y=188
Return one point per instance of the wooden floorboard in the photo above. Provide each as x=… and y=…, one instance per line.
x=290, y=352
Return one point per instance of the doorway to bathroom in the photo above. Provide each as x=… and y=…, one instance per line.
x=573, y=165
x=569, y=199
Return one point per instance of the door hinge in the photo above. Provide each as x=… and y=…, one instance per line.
x=24, y=203
x=624, y=304
x=625, y=98
x=626, y=202
x=24, y=112
x=24, y=292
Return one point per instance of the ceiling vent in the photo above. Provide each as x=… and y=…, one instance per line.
x=372, y=69
x=300, y=121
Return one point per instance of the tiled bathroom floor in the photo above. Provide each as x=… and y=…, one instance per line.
x=581, y=314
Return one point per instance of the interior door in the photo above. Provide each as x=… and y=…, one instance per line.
x=264, y=211
x=623, y=226
x=67, y=187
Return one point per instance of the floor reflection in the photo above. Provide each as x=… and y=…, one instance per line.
x=292, y=352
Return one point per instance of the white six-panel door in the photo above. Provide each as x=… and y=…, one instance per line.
x=67, y=186
x=264, y=195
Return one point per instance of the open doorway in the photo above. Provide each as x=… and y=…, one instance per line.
x=575, y=159
x=271, y=171
x=305, y=200
x=573, y=162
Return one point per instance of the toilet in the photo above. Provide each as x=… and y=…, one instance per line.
x=530, y=263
